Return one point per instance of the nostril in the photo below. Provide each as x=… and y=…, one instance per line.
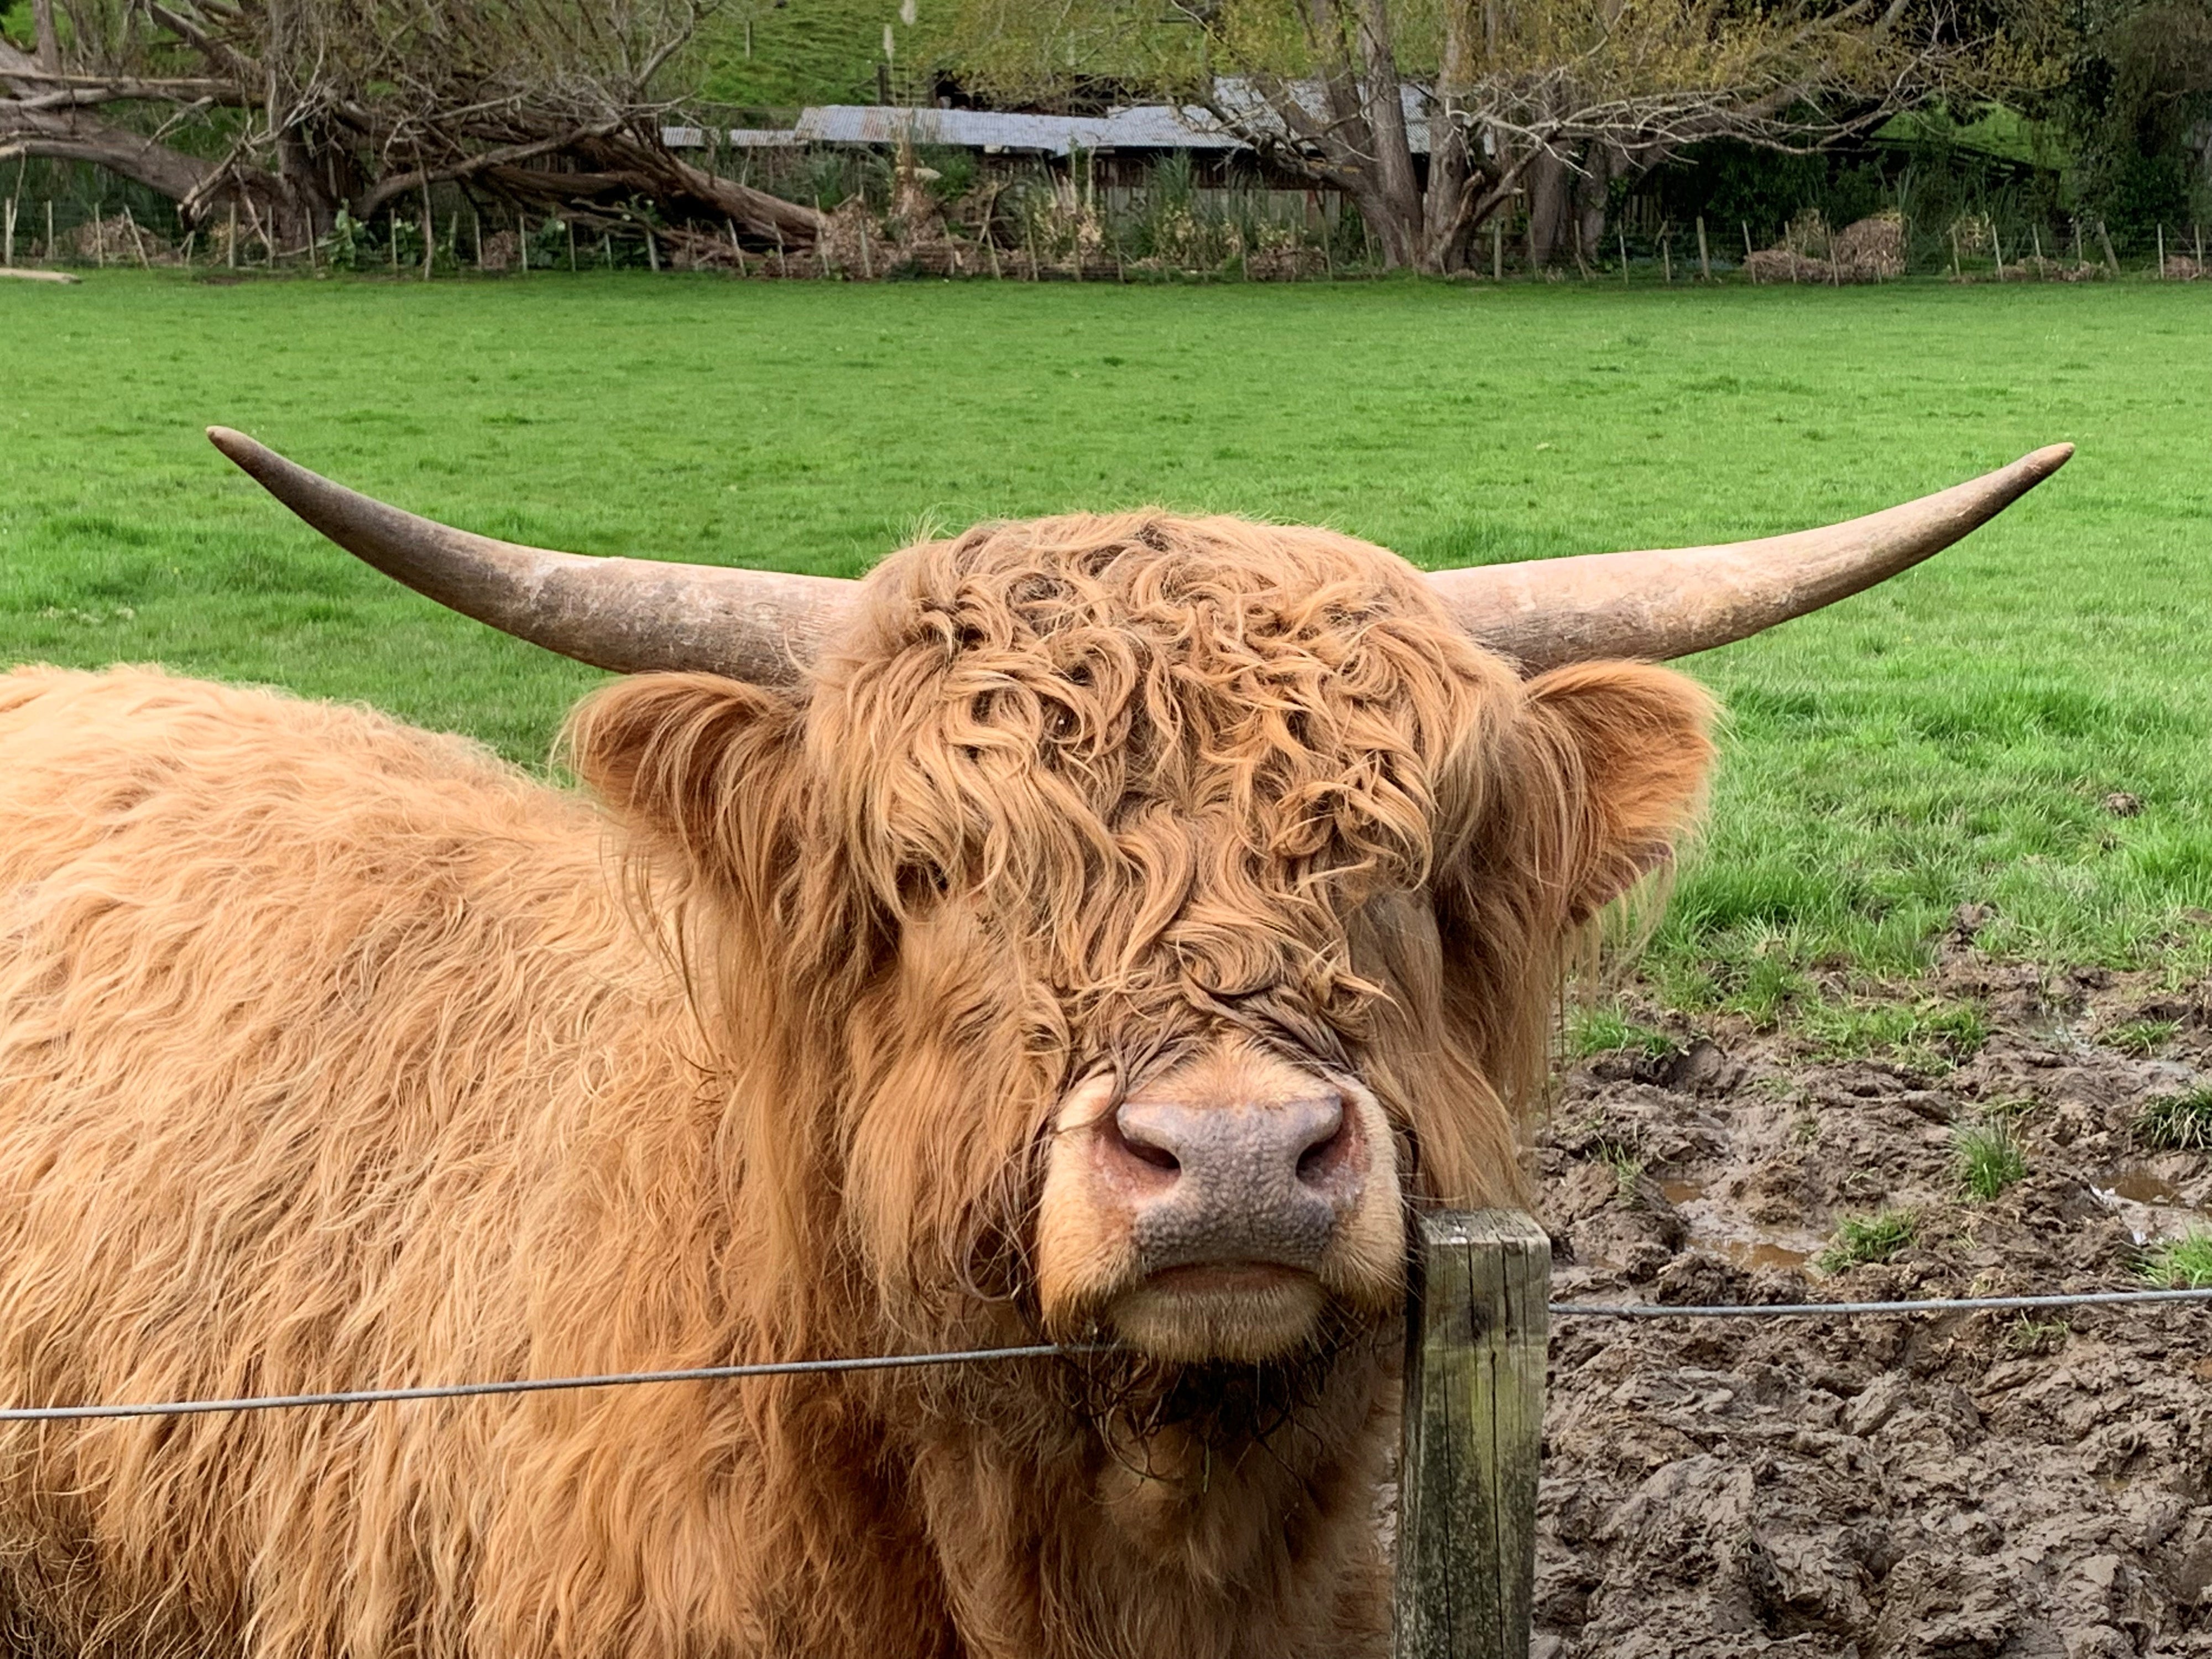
x=1159, y=1156
x=1147, y=1141
x=1328, y=1143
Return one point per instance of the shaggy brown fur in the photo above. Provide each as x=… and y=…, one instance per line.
x=330, y=1057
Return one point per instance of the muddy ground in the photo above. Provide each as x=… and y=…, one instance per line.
x=1963, y=1485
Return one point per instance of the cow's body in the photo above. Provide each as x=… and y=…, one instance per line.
x=268, y=1124
x=338, y=1055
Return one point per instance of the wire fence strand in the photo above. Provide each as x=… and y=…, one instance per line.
x=1822, y=1310
x=275, y=1403
x=271, y=1402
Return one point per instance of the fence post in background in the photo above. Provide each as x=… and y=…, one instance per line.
x=8, y=257
x=51, y=255
x=1472, y=1436
x=1496, y=250
x=2105, y=240
x=2161, y=252
x=1704, y=257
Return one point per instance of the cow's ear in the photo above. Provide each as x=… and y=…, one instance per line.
x=699, y=763
x=1630, y=747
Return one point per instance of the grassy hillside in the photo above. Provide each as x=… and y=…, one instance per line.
x=1950, y=737
x=804, y=52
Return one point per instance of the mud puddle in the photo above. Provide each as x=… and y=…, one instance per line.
x=1711, y=1225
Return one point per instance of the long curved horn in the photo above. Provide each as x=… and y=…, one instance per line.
x=629, y=615
x=1670, y=602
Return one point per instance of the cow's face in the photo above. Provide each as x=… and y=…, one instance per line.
x=1141, y=913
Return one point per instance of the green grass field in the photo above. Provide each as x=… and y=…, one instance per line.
x=1949, y=738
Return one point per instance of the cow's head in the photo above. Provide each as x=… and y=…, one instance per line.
x=1124, y=919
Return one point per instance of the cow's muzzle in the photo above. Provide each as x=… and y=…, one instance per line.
x=1248, y=1185
x=1218, y=1211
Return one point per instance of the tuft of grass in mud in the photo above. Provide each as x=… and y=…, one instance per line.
x=1986, y=1158
x=2141, y=1038
x=2180, y=1264
x=1861, y=1239
x=2031, y=1335
x=1930, y=1035
x=1604, y=1027
x=1627, y=1169
x=2179, y=1122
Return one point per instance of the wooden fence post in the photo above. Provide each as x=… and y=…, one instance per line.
x=1473, y=1437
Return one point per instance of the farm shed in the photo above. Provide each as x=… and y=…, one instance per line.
x=1114, y=148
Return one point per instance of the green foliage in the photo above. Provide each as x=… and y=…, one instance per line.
x=549, y=245
x=2133, y=103
x=403, y=242
x=2002, y=176
x=1868, y=1238
x=1986, y=1158
x=1595, y=1029
x=2180, y=1122
x=958, y=170
x=2180, y=1264
x=18, y=27
x=347, y=246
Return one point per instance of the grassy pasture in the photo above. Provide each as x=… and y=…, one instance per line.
x=1949, y=738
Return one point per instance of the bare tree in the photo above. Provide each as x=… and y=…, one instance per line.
x=1547, y=100
x=290, y=109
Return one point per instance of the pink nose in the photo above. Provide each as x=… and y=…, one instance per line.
x=1243, y=1183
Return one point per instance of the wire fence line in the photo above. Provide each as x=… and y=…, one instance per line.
x=1041, y=1351
x=1820, y=1310
x=273, y=1402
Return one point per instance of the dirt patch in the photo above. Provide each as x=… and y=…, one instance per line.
x=1967, y=1486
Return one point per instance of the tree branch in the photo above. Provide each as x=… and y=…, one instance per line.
x=399, y=184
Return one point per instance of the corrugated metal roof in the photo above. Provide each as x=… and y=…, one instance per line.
x=739, y=137
x=1149, y=126
x=1152, y=127
x=1243, y=102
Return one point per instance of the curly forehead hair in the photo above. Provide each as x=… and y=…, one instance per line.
x=1167, y=759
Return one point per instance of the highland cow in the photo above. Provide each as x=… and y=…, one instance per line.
x=1101, y=930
